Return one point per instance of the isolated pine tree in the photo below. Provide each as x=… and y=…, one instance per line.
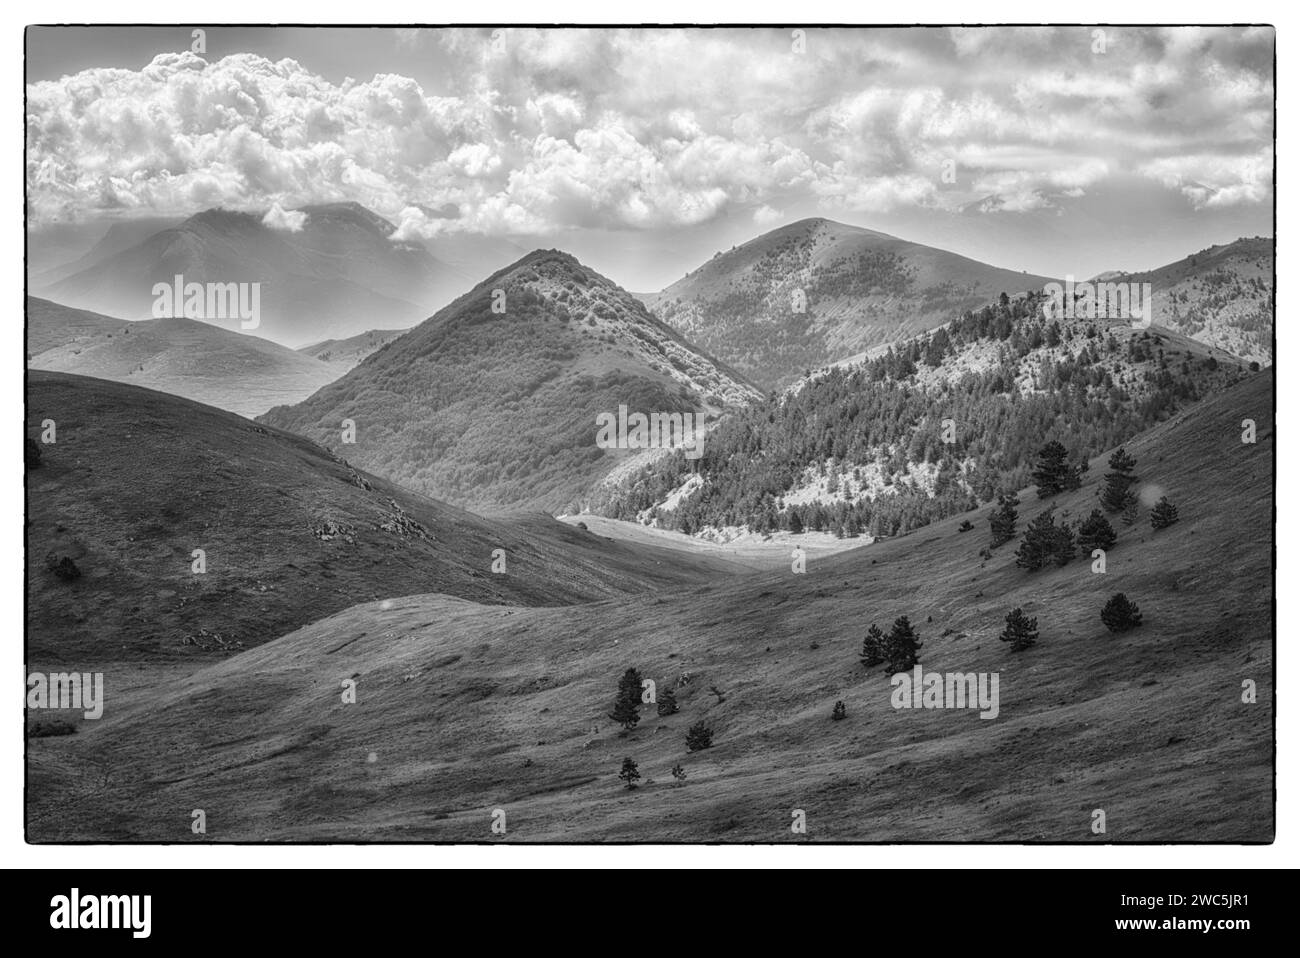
x=1002, y=520
x=873, y=647
x=901, y=646
x=838, y=712
x=1054, y=473
x=1021, y=630
x=1114, y=495
x=667, y=704
x=698, y=736
x=627, y=711
x=1096, y=533
x=1163, y=514
x=630, y=684
x=629, y=773
x=1129, y=514
x=1120, y=615
x=1036, y=546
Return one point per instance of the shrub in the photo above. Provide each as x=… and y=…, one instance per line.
x=966, y=526
x=679, y=773
x=48, y=728
x=63, y=568
x=1120, y=615
x=698, y=736
x=667, y=704
x=838, y=712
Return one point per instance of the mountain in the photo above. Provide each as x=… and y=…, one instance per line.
x=119, y=236
x=343, y=354
x=337, y=274
x=490, y=409
x=815, y=291
x=473, y=710
x=1222, y=296
x=241, y=373
x=137, y=480
x=926, y=430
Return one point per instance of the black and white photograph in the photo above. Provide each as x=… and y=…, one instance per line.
x=696, y=435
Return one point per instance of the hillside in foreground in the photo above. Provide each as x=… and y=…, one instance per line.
x=137, y=480
x=463, y=709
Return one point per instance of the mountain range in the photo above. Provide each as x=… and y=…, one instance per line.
x=330, y=269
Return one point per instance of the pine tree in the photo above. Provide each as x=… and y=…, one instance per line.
x=667, y=704
x=1120, y=615
x=1114, y=496
x=1062, y=544
x=1163, y=514
x=1096, y=533
x=873, y=647
x=630, y=684
x=1036, y=546
x=838, y=712
x=627, y=711
x=1044, y=541
x=698, y=736
x=796, y=524
x=1002, y=520
x=1130, y=511
x=629, y=773
x=1054, y=473
x=901, y=646
x=1021, y=631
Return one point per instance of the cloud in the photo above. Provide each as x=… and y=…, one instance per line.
x=278, y=218
x=539, y=131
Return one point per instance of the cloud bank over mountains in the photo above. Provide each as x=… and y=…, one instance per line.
x=541, y=131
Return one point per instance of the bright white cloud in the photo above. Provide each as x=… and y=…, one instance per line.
x=547, y=130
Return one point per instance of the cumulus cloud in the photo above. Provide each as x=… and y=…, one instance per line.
x=278, y=218
x=536, y=131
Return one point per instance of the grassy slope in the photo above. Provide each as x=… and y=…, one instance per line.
x=1222, y=296
x=138, y=479
x=197, y=360
x=738, y=307
x=491, y=411
x=463, y=709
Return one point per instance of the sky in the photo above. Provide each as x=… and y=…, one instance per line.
x=1060, y=151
